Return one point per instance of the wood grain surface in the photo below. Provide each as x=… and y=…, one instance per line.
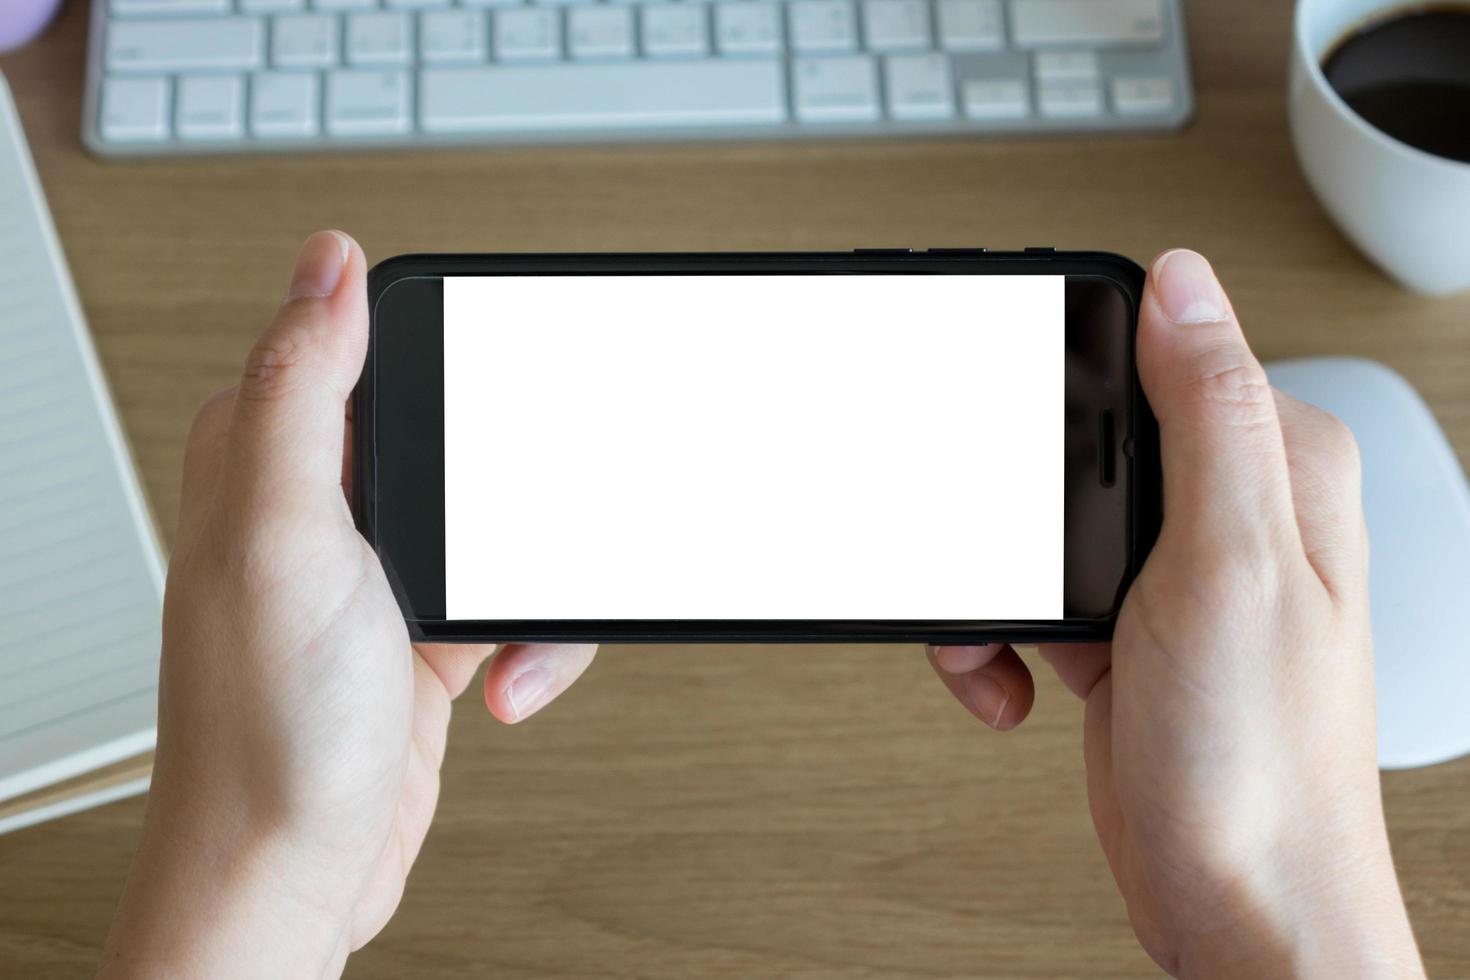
x=731, y=812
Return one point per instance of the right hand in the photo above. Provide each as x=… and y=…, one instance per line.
x=1229, y=735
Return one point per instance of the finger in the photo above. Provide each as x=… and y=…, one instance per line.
x=963, y=659
x=203, y=451
x=1078, y=665
x=290, y=416
x=1223, y=457
x=526, y=677
x=455, y=664
x=1326, y=491
x=999, y=691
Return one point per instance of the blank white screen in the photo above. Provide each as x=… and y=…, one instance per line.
x=753, y=447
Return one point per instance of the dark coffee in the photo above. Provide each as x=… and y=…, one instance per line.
x=1409, y=76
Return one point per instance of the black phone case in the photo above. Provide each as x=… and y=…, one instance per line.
x=1147, y=505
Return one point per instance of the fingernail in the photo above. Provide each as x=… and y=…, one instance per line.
x=986, y=698
x=529, y=691
x=1187, y=289
x=319, y=265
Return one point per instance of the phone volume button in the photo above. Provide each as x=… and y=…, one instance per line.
x=882, y=251
x=1040, y=249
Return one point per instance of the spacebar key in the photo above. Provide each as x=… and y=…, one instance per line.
x=703, y=93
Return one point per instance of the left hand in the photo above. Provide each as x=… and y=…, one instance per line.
x=300, y=733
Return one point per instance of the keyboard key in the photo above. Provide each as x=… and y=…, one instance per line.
x=271, y=6
x=970, y=25
x=304, y=41
x=919, y=86
x=135, y=109
x=453, y=36
x=563, y=3
x=1142, y=95
x=745, y=27
x=416, y=4
x=603, y=31
x=527, y=34
x=836, y=89
x=283, y=105
x=491, y=3
x=675, y=29
x=140, y=8
x=210, y=107
x=361, y=103
x=336, y=6
x=995, y=98
x=823, y=25
x=1069, y=98
x=646, y=93
x=205, y=44
x=379, y=39
x=896, y=25
x=1056, y=23
x=1066, y=64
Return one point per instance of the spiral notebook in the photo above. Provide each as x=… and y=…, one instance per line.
x=81, y=571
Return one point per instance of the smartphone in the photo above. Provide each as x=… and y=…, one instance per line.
x=947, y=446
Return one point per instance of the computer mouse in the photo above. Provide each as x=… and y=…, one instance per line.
x=1417, y=502
x=21, y=20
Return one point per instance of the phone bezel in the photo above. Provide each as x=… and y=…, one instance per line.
x=1143, y=507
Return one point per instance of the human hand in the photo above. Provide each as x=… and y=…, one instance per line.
x=1229, y=733
x=299, y=733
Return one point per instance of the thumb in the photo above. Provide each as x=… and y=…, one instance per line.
x=286, y=435
x=1224, y=458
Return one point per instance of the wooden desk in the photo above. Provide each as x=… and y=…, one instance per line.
x=731, y=812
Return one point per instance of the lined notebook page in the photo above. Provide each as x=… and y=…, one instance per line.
x=81, y=574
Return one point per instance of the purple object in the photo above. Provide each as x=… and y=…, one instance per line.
x=22, y=20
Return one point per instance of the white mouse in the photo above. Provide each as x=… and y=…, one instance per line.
x=1418, y=508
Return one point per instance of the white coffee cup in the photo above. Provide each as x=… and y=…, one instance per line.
x=1408, y=210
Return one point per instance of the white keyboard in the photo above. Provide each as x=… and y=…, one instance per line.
x=178, y=76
